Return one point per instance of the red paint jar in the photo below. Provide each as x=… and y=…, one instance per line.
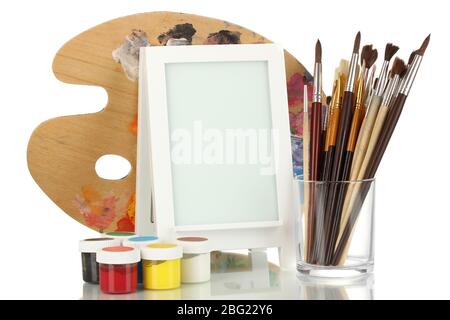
x=118, y=269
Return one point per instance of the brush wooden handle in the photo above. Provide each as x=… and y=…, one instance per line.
x=338, y=206
x=360, y=151
x=358, y=147
x=382, y=143
x=374, y=137
x=314, y=152
x=342, y=247
x=306, y=185
x=343, y=130
x=316, y=130
x=364, y=136
x=391, y=121
x=379, y=122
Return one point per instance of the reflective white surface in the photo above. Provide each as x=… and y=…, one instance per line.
x=412, y=257
x=237, y=276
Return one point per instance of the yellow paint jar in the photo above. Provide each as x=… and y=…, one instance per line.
x=161, y=266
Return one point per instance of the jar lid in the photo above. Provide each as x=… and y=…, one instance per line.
x=194, y=244
x=161, y=251
x=118, y=255
x=94, y=244
x=141, y=241
x=120, y=235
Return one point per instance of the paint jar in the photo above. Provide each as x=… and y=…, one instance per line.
x=161, y=266
x=122, y=236
x=138, y=242
x=196, y=262
x=88, y=249
x=118, y=269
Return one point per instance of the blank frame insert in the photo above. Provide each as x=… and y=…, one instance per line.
x=221, y=144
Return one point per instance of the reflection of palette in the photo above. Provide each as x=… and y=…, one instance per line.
x=62, y=152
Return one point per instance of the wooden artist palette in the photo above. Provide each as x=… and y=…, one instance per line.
x=62, y=152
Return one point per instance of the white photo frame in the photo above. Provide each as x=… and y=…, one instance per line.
x=169, y=207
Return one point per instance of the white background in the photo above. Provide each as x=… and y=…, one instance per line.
x=38, y=248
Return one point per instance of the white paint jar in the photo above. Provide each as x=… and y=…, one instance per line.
x=196, y=261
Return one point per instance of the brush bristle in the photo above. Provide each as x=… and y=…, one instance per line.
x=372, y=58
x=423, y=47
x=328, y=100
x=368, y=56
x=318, y=51
x=398, y=67
x=390, y=51
x=365, y=52
x=411, y=57
x=357, y=42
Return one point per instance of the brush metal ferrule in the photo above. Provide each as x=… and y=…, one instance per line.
x=367, y=104
x=397, y=89
x=410, y=75
x=360, y=93
x=389, y=92
x=317, y=87
x=382, y=79
x=368, y=97
x=366, y=77
x=326, y=116
x=350, y=87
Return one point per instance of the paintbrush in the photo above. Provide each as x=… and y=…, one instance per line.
x=348, y=157
x=397, y=107
x=345, y=117
x=372, y=112
x=368, y=58
x=316, y=114
x=316, y=130
x=326, y=115
x=332, y=216
x=330, y=142
x=306, y=166
x=398, y=71
x=368, y=93
x=381, y=145
x=366, y=132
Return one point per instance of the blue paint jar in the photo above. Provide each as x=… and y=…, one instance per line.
x=139, y=242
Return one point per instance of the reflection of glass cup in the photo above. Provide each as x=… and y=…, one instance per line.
x=335, y=227
x=359, y=288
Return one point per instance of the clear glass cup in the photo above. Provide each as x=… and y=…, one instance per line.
x=334, y=227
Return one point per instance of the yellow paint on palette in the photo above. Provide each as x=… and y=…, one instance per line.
x=161, y=266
